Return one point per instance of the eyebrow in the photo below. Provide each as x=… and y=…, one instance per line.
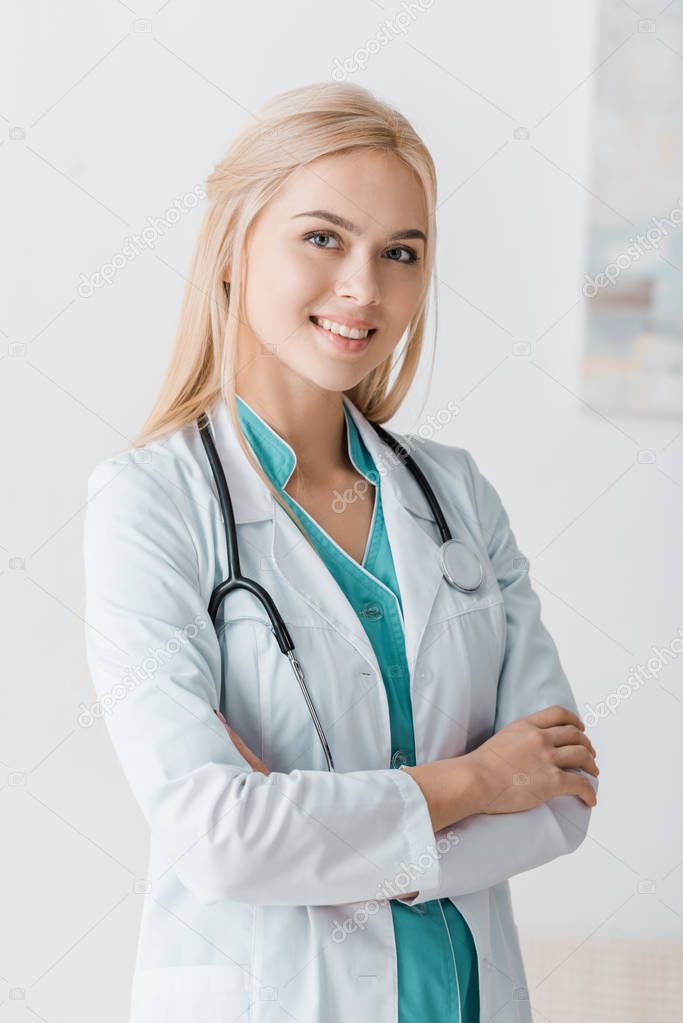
x=412, y=232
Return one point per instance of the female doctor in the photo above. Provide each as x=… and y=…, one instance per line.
x=279, y=888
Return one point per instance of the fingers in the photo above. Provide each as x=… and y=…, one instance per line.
x=255, y=762
x=566, y=731
x=566, y=735
x=583, y=789
x=576, y=756
x=579, y=785
x=242, y=746
x=248, y=755
x=549, y=717
x=572, y=782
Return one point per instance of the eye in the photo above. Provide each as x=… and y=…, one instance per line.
x=412, y=255
x=320, y=234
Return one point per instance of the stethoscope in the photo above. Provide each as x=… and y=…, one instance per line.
x=460, y=566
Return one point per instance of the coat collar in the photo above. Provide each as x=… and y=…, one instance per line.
x=253, y=502
x=414, y=541
x=278, y=458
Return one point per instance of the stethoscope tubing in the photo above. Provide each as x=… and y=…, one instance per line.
x=236, y=580
x=420, y=477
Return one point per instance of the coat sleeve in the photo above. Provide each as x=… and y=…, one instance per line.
x=300, y=838
x=486, y=849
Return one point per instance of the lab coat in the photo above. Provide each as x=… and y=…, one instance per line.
x=267, y=895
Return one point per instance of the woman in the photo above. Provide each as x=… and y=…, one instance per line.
x=280, y=889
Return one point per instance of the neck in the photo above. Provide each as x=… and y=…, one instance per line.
x=311, y=420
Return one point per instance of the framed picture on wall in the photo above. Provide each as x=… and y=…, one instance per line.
x=633, y=285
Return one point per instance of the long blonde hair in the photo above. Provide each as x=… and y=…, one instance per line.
x=292, y=128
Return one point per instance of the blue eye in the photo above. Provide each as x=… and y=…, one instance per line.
x=412, y=255
x=320, y=234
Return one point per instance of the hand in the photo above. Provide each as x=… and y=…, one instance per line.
x=521, y=766
x=525, y=763
x=255, y=762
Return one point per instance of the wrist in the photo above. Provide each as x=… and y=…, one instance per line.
x=471, y=784
x=453, y=788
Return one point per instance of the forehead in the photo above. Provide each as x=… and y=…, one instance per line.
x=374, y=189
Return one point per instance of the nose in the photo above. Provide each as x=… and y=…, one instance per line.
x=360, y=284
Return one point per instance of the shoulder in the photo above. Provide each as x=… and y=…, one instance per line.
x=166, y=469
x=153, y=492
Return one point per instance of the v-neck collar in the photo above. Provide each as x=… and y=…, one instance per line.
x=278, y=459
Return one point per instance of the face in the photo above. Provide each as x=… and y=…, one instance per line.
x=364, y=271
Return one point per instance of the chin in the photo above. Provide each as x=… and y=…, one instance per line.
x=330, y=376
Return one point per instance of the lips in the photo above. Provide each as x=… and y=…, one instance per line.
x=341, y=343
x=356, y=325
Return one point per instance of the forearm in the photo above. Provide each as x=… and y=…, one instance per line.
x=453, y=789
x=484, y=849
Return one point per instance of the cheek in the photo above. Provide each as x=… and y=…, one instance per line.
x=401, y=294
x=287, y=288
x=402, y=291
x=301, y=281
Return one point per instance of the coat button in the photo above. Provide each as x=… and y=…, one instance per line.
x=399, y=758
x=372, y=611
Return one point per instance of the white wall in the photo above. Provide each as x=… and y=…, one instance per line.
x=118, y=124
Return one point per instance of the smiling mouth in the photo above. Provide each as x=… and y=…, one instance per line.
x=341, y=340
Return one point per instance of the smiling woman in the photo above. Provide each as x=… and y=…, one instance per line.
x=356, y=276
x=301, y=330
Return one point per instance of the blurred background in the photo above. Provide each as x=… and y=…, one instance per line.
x=557, y=133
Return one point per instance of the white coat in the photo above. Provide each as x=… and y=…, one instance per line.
x=267, y=894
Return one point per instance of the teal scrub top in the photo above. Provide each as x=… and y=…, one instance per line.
x=437, y=967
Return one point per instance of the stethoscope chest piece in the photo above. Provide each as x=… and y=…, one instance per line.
x=460, y=566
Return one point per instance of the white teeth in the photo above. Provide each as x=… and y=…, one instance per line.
x=338, y=328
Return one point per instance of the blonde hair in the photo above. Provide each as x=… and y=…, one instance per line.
x=292, y=128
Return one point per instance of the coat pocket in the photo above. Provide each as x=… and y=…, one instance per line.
x=201, y=993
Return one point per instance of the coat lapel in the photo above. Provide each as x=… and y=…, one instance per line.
x=407, y=516
x=409, y=522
